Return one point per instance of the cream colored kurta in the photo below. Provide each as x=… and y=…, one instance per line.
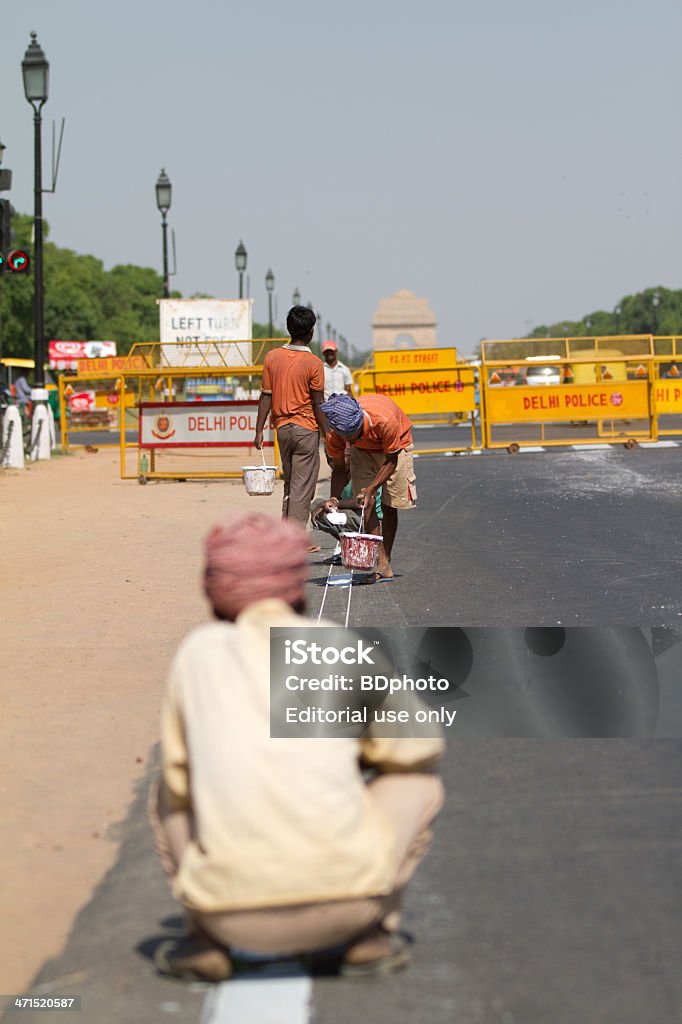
x=278, y=821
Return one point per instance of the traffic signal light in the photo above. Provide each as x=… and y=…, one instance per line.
x=6, y=211
x=9, y=260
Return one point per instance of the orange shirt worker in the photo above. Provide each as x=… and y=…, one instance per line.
x=381, y=445
x=293, y=390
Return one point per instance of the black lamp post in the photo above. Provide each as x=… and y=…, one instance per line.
x=655, y=300
x=270, y=285
x=36, y=72
x=296, y=297
x=618, y=310
x=240, y=258
x=163, y=201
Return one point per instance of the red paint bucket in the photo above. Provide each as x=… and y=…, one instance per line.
x=359, y=550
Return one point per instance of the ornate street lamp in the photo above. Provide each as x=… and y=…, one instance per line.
x=36, y=73
x=270, y=285
x=163, y=201
x=296, y=297
x=240, y=258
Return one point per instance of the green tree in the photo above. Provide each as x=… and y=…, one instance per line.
x=83, y=301
x=653, y=311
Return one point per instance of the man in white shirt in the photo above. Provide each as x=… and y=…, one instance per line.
x=278, y=845
x=337, y=376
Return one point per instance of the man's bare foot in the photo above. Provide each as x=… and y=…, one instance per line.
x=378, y=577
x=378, y=952
x=194, y=958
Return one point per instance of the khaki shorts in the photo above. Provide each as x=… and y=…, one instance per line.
x=400, y=491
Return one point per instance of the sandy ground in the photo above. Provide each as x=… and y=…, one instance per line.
x=100, y=582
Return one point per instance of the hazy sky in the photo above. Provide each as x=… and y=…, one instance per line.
x=515, y=161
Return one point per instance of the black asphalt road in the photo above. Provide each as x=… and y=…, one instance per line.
x=552, y=893
x=555, y=537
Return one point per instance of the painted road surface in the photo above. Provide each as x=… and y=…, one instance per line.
x=552, y=890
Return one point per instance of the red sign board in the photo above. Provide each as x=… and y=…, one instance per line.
x=64, y=355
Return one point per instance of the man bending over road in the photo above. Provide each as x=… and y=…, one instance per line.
x=380, y=437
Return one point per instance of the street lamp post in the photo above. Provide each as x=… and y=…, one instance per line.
x=163, y=201
x=270, y=285
x=35, y=71
x=618, y=310
x=240, y=258
x=296, y=297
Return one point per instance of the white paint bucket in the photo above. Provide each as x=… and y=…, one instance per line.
x=259, y=479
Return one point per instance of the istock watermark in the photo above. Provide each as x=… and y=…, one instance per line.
x=544, y=682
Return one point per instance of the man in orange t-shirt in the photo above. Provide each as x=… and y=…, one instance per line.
x=293, y=391
x=380, y=438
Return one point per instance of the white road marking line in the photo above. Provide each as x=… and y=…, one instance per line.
x=532, y=448
x=340, y=581
x=659, y=444
x=259, y=1001
x=590, y=447
x=337, y=551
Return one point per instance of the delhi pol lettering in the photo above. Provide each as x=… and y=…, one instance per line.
x=664, y=394
x=212, y=424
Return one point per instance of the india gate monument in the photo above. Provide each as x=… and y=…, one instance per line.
x=403, y=321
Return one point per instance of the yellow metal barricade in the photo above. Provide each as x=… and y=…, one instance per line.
x=558, y=391
x=180, y=418
x=667, y=388
x=429, y=385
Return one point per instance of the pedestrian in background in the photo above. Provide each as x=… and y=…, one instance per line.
x=22, y=391
x=293, y=392
x=278, y=846
x=337, y=376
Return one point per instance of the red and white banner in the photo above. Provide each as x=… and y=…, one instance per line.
x=200, y=425
x=64, y=355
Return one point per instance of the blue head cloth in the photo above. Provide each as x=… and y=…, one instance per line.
x=344, y=414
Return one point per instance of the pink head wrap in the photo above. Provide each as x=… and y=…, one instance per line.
x=254, y=558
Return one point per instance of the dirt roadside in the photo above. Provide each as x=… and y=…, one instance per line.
x=100, y=581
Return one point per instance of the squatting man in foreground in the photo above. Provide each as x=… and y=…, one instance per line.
x=278, y=846
x=380, y=438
